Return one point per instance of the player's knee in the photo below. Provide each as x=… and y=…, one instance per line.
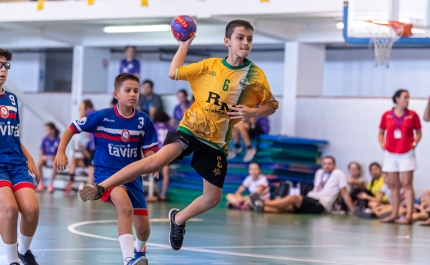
x=407, y=185
x=212, y=200
x=10, y=210
x=125, y=210
x=31, y=213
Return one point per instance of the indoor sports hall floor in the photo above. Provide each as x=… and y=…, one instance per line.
x=73, y=232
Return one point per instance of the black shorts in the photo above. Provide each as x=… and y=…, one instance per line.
x=255, y=131
x=89, y=161
x=309, y=205
x=209, y=162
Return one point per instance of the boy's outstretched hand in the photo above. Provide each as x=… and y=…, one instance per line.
x=241, y=112
x=91, y=192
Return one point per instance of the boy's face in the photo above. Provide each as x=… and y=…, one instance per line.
x=128, y=94
x=3, y=71
x=241, y=42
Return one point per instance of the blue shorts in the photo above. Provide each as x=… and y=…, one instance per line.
x=16, y=177
x=134, y=190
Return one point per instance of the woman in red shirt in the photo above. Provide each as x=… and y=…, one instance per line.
x=399, y=134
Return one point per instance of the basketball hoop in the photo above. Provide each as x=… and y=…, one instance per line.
x=383, y=37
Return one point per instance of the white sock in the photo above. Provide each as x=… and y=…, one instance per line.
x=127, y=246
x=139, y=245
x=11, y=252
x=24, y=243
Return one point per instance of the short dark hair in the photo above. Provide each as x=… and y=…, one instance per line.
x=229, y=29
x=375, y=164
x=183, y=91
x=255, y=163
x=149, y=82
x=6, y=54
x=161, y=116
x=88, y=104
x=399, y=94
x=133, y=47
x=121, y=78
x=330, y=157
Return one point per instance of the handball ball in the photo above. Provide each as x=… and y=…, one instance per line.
x=183, y=27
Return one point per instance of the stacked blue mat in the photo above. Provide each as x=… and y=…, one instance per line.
x=281, y=158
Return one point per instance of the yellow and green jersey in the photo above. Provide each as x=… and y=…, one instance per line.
x=217, y=85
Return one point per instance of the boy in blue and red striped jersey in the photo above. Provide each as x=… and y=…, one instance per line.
x=17, y=192
x=122, y=136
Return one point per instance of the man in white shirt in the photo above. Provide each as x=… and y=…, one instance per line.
x=328, y=183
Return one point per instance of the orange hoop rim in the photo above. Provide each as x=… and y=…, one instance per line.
x=401, y=28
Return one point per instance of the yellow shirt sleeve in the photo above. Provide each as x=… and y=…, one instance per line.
x=191, y=71
x=265, y=94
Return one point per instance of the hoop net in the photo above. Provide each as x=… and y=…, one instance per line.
x=383, y=36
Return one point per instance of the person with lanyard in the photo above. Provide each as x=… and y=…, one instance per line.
x=328, y=183
x=399, y=134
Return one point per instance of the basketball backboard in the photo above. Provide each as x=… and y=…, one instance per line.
x=415, y=12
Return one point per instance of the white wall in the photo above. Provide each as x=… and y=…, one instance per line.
x=27, y=70
x=352, y=72
x=351, y=127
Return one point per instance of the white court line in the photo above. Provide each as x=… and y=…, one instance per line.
x=314, y=246
x=72, y=229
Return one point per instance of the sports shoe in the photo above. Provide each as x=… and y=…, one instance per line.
x=51, y=188
x=139, y=259
x=15, y=263
x=233, y=153
x=69, y=186
x=28, y=258
x=256, y=203
x=249, y=155
x=177, y=232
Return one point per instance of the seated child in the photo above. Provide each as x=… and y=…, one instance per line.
x=48, y=149
x=255, y=183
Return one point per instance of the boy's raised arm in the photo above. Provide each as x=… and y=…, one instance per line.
x=179, y=58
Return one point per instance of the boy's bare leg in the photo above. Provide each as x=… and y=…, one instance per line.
x=147, y=165
x=210, y=198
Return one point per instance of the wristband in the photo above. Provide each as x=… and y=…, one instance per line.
x=100, y=191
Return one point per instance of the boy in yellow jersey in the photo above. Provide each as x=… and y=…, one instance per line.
x=226, y=92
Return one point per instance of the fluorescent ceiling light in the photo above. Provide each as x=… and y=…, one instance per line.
x=141, y=28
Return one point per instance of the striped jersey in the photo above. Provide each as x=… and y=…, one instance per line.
x=10, y=144
x=217, y=85
x=119, y=140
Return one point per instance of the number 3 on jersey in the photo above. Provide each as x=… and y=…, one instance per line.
x=140, y=123
x=225, y=87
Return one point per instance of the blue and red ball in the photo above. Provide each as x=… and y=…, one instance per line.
x=183, y=27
